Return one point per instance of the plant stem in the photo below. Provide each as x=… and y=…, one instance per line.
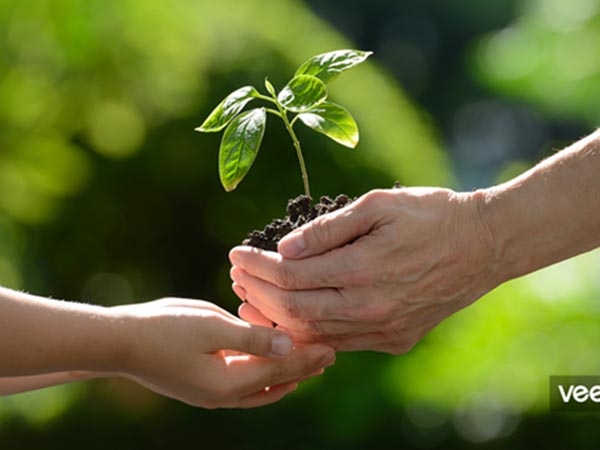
x=290, y=128
x=298, y=153
x=296, y=142
x=274, y=112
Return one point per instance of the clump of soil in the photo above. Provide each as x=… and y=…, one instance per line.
x=299, y=212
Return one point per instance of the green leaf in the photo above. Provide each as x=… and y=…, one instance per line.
x=302, y=93
x=270, y=88
x=334, y=122
x=328, y=66
x=228, y=109
x=239, y=146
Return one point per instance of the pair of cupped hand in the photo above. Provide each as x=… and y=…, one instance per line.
x=375, y=275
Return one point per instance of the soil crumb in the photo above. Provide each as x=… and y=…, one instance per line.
x=299, y=211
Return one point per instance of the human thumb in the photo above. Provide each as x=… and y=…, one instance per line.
x=323, y=234
x=259, y=341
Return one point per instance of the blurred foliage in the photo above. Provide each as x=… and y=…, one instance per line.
x=108, y=196
x=547, y=56
x=489, y=365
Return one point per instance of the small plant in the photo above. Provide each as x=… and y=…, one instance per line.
x=304, y=98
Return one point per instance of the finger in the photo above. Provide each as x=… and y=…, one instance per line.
x=325, y=233
x=366, y=341
x=346, y=266
x=316, y=373
x=292, y=308
x=379, y=343
x=268, y=395
x=250, y=314
x=239, y=291
x=397, y=343
x=333, y=334
x=307, y=316
x=254, y=374
x=330, y=332
x=251, y=339
x=303, y=338
x=273, y=394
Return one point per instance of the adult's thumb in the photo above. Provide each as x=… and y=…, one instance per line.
x=323, y=234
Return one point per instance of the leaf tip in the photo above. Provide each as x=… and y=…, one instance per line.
x=351, y=142
x=229, y=185
x=204, y=128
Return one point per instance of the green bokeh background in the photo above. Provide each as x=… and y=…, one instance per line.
x=108, y=196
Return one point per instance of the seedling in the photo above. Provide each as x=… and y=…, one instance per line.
x=304, y=98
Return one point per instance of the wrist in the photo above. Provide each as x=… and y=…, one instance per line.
x=512, y=228
x=489, y=242
x=546, y=214
x=122, y=348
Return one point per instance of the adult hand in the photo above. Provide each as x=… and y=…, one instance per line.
x=377, y=274
x=200, y=354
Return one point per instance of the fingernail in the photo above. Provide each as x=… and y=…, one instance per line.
x=281, y=345
x=292, y=245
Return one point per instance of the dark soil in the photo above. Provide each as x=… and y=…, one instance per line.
x=299, y=212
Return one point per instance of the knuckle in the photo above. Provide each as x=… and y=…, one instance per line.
x=374, y=199
x=285, y=277
x=319, y=234
x=254, y=343
x=291, y=305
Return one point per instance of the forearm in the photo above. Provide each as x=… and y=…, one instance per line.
x=15, y=385
x=548, y=214
x=41, y=336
